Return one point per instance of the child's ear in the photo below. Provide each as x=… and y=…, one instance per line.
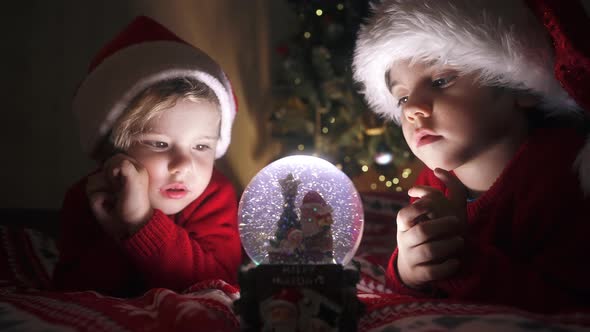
x=526, y=100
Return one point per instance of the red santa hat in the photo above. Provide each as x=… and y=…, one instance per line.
x=143, y=54
x=539, y=46
x=313, y=197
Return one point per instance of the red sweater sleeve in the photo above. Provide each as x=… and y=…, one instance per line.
x=88, y=258
x=203, y=244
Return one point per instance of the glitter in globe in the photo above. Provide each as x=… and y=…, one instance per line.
x=300, y=210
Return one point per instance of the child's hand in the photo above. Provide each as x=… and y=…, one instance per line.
x=429, y=232
x=102, y=201
x=130, y=181
x=119, y=196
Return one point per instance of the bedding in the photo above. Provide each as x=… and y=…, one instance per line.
x=28, y=303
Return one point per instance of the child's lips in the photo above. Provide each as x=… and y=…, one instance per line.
x=174, y=190
x=425, y=136
x=427, y=140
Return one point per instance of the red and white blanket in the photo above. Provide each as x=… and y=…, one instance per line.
x=27, y=258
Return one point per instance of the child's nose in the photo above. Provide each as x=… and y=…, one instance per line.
x=180, y=163
x=417, y=107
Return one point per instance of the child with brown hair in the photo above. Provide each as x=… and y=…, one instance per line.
x=156, y=113
x=499, y=214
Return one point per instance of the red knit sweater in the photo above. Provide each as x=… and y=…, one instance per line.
x=200, y=242
x=528, y=236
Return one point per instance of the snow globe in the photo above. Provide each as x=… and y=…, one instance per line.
x=301, y=221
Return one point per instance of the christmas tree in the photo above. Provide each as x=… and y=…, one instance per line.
x=318, y=108
x=289, y=219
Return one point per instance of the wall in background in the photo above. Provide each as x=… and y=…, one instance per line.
x=49, y=46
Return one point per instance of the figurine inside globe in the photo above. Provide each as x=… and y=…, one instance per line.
x=300, y=210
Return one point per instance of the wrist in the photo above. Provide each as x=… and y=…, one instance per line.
x=399, y=267
x=137, y=223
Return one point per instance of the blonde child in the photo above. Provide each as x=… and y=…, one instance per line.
x=499, y=214
x=155, y=112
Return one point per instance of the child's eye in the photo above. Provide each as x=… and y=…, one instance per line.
x=402, y=101
x=444, y=81
x=156, y=144
x=201, y=147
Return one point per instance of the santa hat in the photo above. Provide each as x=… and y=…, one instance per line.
x=313, y=197
x=143, y=54
x=503, y=40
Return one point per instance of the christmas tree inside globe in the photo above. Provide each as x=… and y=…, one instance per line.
x=300, y=210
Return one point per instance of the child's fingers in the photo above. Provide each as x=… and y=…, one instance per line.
x=101, y=205
x=429, y=207
x=406, y=217
x=434, y=251
x=437, y=271
x=127, y=169
x=457, y=191
x=421, y=191
x=119, y=167
x=112, y=170
x=96, y=182
x=430, y=230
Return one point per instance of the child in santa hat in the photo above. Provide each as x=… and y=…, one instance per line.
x=501, y=212
x=155, y=112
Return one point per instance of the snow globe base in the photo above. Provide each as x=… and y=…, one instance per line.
x=299, y=297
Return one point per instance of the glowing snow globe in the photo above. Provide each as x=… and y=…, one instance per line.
x=300, y=210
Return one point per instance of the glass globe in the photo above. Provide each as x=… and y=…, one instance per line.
x=300, y=210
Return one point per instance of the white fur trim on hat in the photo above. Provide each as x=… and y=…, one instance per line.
x=499, y=39
x=107, y=91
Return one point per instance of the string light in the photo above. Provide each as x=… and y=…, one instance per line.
x=381, y=178
x=395, y=181
x=383, y=158
x=398, y=189
x=332, y=119
x=388, y=184
x=297, y=81
x=365, y=168
x=406, y=173
x=373, y=186
x=325, y=130
x=375, y=131
x=307, y=34
x=319, y=12
x=383, y=154
x=300, y=147
x=340, y=6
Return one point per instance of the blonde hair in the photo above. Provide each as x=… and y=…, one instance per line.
x=152, y=102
